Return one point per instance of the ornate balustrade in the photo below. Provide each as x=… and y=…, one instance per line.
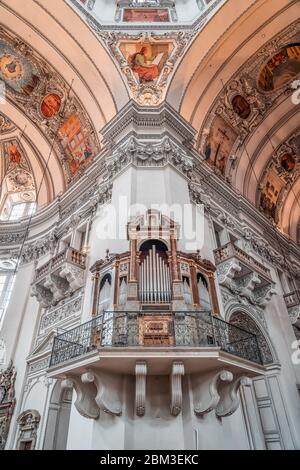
x=292, y=299
x=243, y=275
x=230, y=250
x=60, y=276
x=154, y=329
x=292, y=302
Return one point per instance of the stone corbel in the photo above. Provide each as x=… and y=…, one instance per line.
x=207, y=394
x=108, y=390
x=176, y=387
x=263, y=295
x=86, y=392
x=227, y=271
x=140, y=387
x=44, y=296
x=249, y=283
x=57, y=285
x=74, y=276
x=229, y=398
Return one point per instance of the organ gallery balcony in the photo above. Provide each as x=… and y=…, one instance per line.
x=60, y=276
x=131, y=335
x=243, y=275
x=117, y=349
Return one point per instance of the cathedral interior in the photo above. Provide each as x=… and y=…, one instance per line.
x=149, y=224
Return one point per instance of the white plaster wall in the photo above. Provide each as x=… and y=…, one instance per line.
x=80, y=430
x=286, y=395
x=16, y=332
x=157, y=429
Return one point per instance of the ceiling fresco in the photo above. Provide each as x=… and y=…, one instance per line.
x=260, y=86
x=17, y=175
x=283, y=67
x=156, y=62
x=147, y=59
x=279, y=176
x=48, y=101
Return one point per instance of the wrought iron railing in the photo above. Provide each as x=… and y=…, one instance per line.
x=157, y=329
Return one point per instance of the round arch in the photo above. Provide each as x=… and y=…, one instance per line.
x=242, y=317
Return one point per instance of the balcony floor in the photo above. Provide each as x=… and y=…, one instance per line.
x=159, y=361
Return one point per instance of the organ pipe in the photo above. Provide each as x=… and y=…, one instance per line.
x=154, y=278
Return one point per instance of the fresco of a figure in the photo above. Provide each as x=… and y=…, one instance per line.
x=241, y=106
x=281, y=68
x=149, y=15
x=76, y=143
x=219, y=143
x=272, y=187
x=288, y=162
x=146, y=60
x=50, y=105
x=14, y=154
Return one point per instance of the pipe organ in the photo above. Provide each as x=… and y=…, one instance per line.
x=155, y=283
x=154, y=272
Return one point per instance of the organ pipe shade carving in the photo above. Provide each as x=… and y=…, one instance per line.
x=155, y=285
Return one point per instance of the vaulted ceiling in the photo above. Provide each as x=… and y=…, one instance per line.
x=85, y=87
x=225, y=60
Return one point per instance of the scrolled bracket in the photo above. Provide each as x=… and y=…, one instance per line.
x=206, y=390
x=176, y=387
x=108, y=390
x=85, y=401
x=229, y=398
x=140, y=387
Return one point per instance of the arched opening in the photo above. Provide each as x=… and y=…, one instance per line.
x=155, y=281
x=105, y=293
x=244, y=321
x=57, y=426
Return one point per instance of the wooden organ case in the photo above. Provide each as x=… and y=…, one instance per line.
x=154, y=279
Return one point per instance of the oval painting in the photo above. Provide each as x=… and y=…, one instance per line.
x=50, y=105
x=281, y=69
x=288, y=162
x=11, y=67
x=241, y=106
